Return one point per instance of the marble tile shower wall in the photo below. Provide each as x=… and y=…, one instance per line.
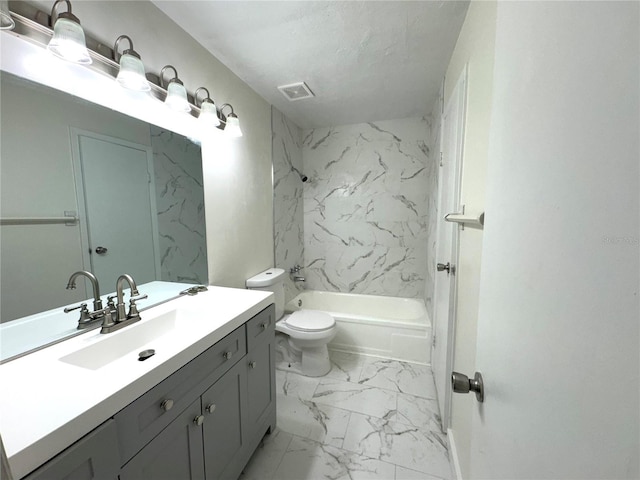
x=287, y=197
x=366, y=222
x=180, y=205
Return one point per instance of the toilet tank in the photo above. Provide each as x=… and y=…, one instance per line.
x=271, y=280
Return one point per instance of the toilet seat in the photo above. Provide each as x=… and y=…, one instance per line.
x=310, y=321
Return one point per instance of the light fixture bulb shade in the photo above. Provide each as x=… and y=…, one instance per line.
x=131, y=75
x=6, y=22
x=68, y=41
x=232, y=129
x=209, y=114
x=177, y=97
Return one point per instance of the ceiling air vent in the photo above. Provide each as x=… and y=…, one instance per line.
x=296, y=91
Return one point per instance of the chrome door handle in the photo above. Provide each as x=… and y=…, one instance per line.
x=450, y=269
x=101, y=250
x=462, y=384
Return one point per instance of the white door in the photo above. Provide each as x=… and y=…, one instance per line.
x=447, y=245
x=558, y=327
x=119, y=208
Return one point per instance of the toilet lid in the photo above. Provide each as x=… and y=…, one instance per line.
x=310, y=320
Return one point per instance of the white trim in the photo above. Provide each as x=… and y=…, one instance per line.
x=453, y=456
x=457, y=102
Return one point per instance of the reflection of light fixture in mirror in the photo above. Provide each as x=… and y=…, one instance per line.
x=6, y=22
x=176, y=93
x=68, y=37
x=232, y=124
x=208, y=110
x=131, y=74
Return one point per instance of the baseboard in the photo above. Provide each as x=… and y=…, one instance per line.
x=453, y=455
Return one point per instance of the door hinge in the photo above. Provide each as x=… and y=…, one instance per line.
x=433, y=342
x=441, y=159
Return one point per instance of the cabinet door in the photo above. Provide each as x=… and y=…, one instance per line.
x=174, y=454
x=224, y=405
x=261, y=386
x=91, y=458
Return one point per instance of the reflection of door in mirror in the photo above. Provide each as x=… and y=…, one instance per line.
x=118, y=187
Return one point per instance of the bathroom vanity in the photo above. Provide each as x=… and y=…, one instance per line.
x=197, y=408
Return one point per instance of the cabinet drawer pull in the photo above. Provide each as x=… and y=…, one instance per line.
x=199, y=420
x=252, y=364
x=228, y=355
x=211, y=408
x=263, y=326
x=167, y=404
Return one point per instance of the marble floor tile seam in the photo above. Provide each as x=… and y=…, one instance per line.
x=430, y=475
x=291, y=450
x=393, y=413
x=325, y=380
x=392, y=416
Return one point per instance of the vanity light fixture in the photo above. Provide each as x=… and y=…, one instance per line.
x=232, y=124
x=176, y=93
x=131, y=74
x=6, y=22
x=68, y=40
x=208, y=110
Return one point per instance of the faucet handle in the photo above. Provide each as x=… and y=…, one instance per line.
x=133, y=309
x=82, y=306
x=133, y=300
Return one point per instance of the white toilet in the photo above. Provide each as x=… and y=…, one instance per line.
x=308, y=331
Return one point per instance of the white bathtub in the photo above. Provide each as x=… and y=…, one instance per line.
x=389, y=327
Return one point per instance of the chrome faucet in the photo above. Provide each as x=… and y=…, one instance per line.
x=118, y=317
x=71, y=285
x=120, y=312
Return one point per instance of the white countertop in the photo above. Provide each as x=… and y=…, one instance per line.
x=47, y=404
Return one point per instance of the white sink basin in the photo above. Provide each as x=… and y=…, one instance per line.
x=128, y=341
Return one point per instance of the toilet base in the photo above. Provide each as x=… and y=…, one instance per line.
x=315, y=361
x=308, y=361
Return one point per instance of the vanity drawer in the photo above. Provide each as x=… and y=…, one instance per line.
x=261, y=326
x=147, y=416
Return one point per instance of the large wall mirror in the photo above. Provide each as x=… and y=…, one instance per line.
x=135, y=190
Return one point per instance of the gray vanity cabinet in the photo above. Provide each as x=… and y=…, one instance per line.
x=93, y=457
x=225, y=439
x=202, y=422
x=261, y=382
x=176, y=453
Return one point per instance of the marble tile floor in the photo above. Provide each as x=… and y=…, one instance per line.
x=368, y=418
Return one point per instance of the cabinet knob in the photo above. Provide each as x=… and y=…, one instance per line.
x=167, y=404
x=228, y=355
x=199, y=420
x=211, y=408
x=252, y=364
x=263, y=326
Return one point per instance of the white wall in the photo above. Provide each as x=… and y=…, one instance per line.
x=237, y=175
x=475, y=48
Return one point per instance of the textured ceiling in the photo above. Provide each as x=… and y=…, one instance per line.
x=364, y=60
